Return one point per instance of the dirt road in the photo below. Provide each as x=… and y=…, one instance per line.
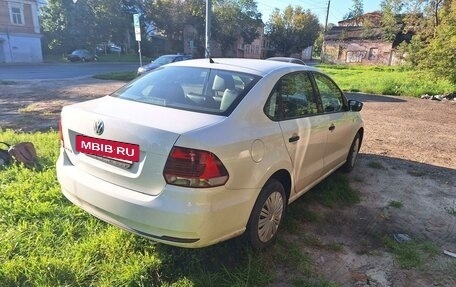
x=408, y=157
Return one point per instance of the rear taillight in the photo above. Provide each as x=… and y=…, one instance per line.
x=194, y=168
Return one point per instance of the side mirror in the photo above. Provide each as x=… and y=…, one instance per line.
x=355, y=106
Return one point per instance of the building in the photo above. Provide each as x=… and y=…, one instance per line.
x=20, y=36
x=255, y=50
x=361, y=41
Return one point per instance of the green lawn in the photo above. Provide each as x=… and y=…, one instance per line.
x=47, y=241
x=387, y=80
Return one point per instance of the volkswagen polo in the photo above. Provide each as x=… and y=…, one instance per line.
x=200, y=151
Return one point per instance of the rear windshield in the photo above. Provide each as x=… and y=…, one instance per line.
x=196, y=89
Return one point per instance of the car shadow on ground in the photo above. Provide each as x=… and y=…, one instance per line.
x=358, y=230
x=362, y=97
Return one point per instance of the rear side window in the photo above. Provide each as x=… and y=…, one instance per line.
x=292, y=97
x=190, y=88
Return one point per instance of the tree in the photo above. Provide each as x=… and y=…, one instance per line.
x=67, y=25
x=292, y=30
x=390, y=11
x=234, y=19
x=169, y=17
x=433, y=25
x=356, y=11
x=439, y=56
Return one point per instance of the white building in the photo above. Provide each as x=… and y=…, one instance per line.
x=20, y=36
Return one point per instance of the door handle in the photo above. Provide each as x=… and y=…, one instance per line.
x=332, y=127
x=294, y=138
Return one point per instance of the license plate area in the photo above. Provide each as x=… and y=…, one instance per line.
x=108, y=149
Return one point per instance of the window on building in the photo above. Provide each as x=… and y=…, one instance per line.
x=16, y=13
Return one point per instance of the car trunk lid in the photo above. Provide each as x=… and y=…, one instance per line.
x=145, y=132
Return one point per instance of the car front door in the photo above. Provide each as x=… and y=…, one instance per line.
x=293, y=105
x=338, y=123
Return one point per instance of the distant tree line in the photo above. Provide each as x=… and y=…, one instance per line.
x=86, y=23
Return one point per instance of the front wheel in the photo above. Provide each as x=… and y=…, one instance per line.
x=352, y=154
x=267, y=215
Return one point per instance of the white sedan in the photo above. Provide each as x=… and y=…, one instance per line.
x=200, y=151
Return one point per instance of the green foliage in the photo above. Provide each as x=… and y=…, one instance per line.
x=334, y=191
x=396, y=204
x=292, y=30
x=117, y=76
x=234, y=19
x=433, y=25
x=389, y=21
x=439, y=56
x=68, y=26
x=387, y=80
x=451, y=210
x=356, y=10
x=375, y=165
x=411, y=254
x=47, y=241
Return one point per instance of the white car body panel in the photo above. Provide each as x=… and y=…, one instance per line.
x=251, y=146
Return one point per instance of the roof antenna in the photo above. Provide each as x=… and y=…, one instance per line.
x=208, y=55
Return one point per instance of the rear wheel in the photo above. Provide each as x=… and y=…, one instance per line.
x=267, y=215
x=352, y=154
x=83, y=59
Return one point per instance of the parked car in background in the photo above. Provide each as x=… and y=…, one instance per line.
x=81, y=55
x=287, y=59
x=162, y=60
x=196, y=152
x=108, y=48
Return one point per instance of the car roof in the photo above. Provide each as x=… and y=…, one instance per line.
x=252, y=66
x=171, y=55
x=286, y=59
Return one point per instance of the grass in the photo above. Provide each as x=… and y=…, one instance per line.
x=386, y=80
x=375, y=165
x=47, y=241
x=451, y=210
x=396, y=204
x=118, y=76
x=5, y=82
x=411, y=254
x=334, y=191
x=122, y=58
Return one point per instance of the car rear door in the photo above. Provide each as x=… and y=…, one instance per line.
x=338, y=123
x=293, y=105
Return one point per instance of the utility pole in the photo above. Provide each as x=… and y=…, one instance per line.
x=323, y=48
x=208, y=28
x=327, y=15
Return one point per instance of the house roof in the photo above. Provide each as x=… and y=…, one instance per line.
x=347, y=33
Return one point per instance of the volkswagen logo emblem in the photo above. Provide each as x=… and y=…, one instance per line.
x=98, y=127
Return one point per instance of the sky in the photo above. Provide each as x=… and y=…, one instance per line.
x=337, y=10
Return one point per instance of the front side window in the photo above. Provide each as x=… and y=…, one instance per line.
x=16, y=14
x=292, y=97
x=190, y=88
x=332, y=97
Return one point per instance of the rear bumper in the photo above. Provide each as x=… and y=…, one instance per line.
x=177, y=216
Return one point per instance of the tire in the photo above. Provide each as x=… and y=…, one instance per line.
x=352, y=154
x=83, y=59
x=267, y=215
